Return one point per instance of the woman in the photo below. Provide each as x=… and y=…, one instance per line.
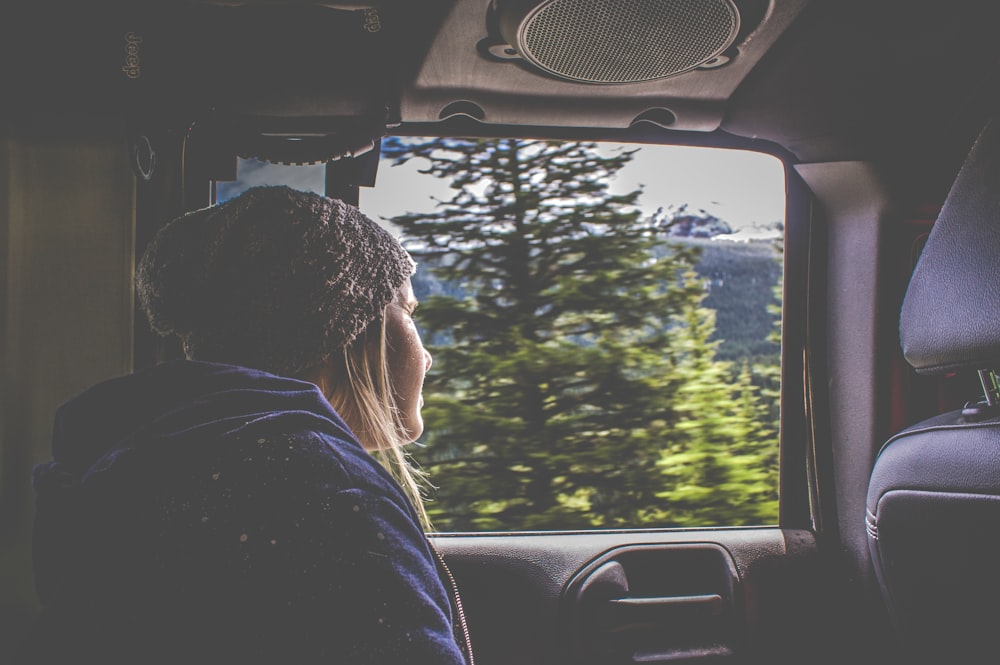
x=229, y=507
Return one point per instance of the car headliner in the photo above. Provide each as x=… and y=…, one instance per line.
x=901, y=84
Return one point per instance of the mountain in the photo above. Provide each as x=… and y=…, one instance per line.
x=740, y=278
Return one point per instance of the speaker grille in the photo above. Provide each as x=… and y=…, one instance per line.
x=625, y=41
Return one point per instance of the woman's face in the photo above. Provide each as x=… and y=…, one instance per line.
x=407, y=360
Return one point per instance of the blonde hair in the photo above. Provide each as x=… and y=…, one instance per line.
x=361, y=392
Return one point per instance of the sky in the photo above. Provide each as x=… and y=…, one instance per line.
x=743, y=188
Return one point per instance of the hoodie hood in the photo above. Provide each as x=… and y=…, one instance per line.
x=177, y=400
x=142, y=429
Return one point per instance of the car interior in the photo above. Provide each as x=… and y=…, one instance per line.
x=118, y=116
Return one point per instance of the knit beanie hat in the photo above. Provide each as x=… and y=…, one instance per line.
x=274, y=279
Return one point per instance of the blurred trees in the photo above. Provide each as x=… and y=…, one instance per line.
x=575, y=382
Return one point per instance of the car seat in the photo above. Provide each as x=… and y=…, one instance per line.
x=933, y=505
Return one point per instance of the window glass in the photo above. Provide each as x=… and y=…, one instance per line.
x=604, y=321
x=253, y=172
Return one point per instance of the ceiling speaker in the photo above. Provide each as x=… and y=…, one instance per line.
x=617, y=41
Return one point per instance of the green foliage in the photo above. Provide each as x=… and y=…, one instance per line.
x=722, y=460
x=575, y=380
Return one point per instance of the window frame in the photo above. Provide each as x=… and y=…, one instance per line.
x=799, y=461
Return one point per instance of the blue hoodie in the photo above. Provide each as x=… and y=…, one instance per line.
x=199, y=512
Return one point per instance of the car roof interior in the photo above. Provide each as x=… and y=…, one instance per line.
x=897, y=83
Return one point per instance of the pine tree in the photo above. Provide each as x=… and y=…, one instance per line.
x=721, y=464
x=556, y=393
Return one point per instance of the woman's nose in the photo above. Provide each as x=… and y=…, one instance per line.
x=428, y=360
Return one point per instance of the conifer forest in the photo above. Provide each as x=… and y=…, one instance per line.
x=592, y=367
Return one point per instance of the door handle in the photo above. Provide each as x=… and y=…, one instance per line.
x=679, y=607
x=709, y=603
x=631, y=613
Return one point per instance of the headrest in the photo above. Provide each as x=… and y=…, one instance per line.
x=951, y=314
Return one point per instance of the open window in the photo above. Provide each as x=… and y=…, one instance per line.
x=605, y=321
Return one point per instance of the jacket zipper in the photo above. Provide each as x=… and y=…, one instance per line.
x=459, y=612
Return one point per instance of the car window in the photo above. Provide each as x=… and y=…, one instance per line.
x=604, y=321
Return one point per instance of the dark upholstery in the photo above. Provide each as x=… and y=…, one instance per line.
x=951, y=315
x=933, y=508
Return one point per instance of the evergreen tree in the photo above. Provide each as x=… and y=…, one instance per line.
x=557, y=393
x=721, y=463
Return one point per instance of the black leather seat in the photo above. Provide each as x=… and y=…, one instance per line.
x=933, y=507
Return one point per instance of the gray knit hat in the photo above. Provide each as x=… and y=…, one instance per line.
x=274, y=279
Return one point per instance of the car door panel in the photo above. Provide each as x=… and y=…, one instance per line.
x=638, y=596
